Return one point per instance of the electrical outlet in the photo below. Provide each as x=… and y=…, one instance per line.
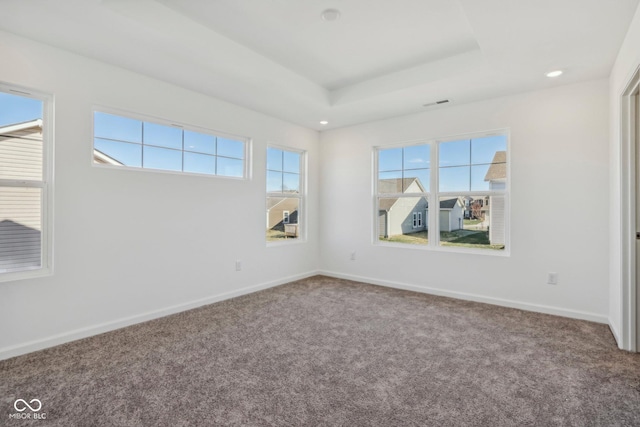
x=552, y=278
x=238, y=265
x=353, y=256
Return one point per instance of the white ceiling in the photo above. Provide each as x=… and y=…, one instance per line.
x=380, y=59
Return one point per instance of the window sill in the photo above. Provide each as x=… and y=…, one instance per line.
x=26, y=274
x=428, y=248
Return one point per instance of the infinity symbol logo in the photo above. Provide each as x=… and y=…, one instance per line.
x=26, y=405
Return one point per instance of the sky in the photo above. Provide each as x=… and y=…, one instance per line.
x=18, y=109
x=283, y=171
x=136, y=143
x=463, y=164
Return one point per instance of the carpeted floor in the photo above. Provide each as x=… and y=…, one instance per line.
x=329, y=352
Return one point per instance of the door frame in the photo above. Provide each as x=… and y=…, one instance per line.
x=630, y=172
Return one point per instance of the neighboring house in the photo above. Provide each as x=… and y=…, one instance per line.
x=497, y=177
x=281, y=211
x=20, y=223
x=102, y=159
x=20, y=227
x=452, y=214
x=401, y=215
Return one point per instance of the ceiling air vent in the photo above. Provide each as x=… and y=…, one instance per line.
x=431, y=104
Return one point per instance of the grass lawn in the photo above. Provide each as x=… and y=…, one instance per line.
x=467, y=239
x=459, y=238
x=276, y=236
x=472, y=221
x=419, y=238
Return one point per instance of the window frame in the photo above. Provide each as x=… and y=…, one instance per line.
x=247, y=141
x=433, y=195
x=46, y=184
x=301, y=195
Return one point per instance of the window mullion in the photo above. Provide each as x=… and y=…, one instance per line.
x=434, y=235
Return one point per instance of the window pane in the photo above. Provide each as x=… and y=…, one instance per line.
x=455, y=153
x=117, y=153
x=277, y=208
x=479, y=180
x=274, y=159
x=116, y=127
x=473, y=222
x=390, y=182
x=291, y=182
x=403, y=220
x=162, y=136
x=230, y=148
x=291, y=162
x=162, y=158
x=274, y=182
x=390, y=160
x=416, y=181
x=199, y=163
x=417, y=157
x=199, y=142
x=483, y=150
x=18, y=109
x=20, y=229
x=454, y=179
x=21, y=151
x=230, y=167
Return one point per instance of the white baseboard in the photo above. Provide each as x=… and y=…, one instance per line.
x=574, y=314
x=616, y=334
x=65, y=337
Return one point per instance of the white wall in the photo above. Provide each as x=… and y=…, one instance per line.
x=131, y=245
x=559, y=166
x=626, y=64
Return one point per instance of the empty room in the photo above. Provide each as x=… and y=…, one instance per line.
x=319, y=213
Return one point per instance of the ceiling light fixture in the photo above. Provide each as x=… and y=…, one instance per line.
x=330, y=15
x=324, y=122
x=555, y=73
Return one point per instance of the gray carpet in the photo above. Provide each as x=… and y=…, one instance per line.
x=328, y=352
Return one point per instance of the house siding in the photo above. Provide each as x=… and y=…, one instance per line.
x=275, y=214
x=21, y=155
x=497, y=220
x=20, y=216
x=401, y=215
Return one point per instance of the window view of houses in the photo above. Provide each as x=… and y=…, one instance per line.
x=21, y=174
x=471, y=193
x=284, y=193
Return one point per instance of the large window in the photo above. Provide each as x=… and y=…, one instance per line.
x=25, y=181
x=460, y=188
x=285, y=194
x=127, y=142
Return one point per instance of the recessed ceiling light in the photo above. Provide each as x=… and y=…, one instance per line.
x=330, y=15
x=324, y=122
x=555, y=73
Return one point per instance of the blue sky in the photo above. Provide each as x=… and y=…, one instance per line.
x=463, y=164
x=144, y=144
x=18, y=109
x=283, y=171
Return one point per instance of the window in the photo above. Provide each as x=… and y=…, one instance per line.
x=463, y=182
x=285, y=193
x=127, y=142
x=25, y=183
